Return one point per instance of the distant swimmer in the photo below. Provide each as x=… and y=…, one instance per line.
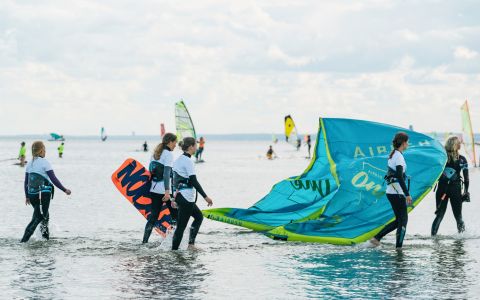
x=145, y=147
x=161, y=165
x=60, y=149
x=39, y=190
x=270, y=153
x=309, y=144
x=397, y=191
x=22, y=153
x=450, y=186
x=185, y=183
x=201, y=146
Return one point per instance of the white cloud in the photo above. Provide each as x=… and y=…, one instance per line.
x=77, y=65
x=464, y=53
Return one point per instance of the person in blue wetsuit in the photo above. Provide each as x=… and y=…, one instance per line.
x=185, y=183
x=39, y=190
x=397, y=191
x=450, y=186
x=161, y=165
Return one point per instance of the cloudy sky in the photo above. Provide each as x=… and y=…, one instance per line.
x=73, y=66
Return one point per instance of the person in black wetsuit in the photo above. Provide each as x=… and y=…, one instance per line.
x=38, y=185
x=185, y=183
x=397, y=191
x=161, y=165
x=450, y=186
x=145, y=147
x=309, y=144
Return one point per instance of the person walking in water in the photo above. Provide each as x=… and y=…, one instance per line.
x=60, y=149
x=185, y=183
x=450, y=186
x=161, y=165
x=201, y=146
x=397, y=191
x=145, y=147
x=39, y=190
x=270, y=153
x=309, y=144
x=22, y=153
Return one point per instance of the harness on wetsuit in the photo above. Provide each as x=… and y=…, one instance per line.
x=391, y=178
x=37, y=184
x=180, y=182
x=156, y=168
x=451, y=176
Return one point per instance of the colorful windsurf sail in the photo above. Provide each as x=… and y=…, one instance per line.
x=291, y=134
x=103, y=136
x=340, y=197
x=467, y=134
x=183, y=122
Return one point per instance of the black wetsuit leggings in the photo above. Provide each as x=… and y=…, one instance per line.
x=399, y=206
x=453, y=192
x=157, y=207
x=185, y=211
x=40, y=215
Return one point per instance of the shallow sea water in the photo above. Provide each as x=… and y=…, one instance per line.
x=96, y=250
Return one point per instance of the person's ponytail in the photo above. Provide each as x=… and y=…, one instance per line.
x=398, y=140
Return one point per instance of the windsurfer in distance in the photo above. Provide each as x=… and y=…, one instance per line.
x=270, y=153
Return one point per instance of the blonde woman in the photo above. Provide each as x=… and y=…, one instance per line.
x=161, y=165
x=450, y=185
x=39, y=181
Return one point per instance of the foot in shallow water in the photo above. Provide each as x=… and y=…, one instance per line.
x=374, y=242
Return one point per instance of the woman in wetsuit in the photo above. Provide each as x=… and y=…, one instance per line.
x=397, y=191
x=185, y=183
x=38, y=185
x=450, y=186
x=161, y=165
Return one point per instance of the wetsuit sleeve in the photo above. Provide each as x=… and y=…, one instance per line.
x=55, y=180
x=193, y=180
x=466, y=178
x=167, y=171
x=25, y=184
x=401, y=180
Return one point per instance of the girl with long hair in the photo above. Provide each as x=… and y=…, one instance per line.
x=39, y=190
x=397, y=191
x=450, y=185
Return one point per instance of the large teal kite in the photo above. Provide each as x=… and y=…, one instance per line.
x=340, y=198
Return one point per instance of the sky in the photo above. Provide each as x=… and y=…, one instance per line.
x=240, y=66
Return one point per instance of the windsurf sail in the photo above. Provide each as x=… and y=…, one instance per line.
x=162, y=130
x=340, y=197
x=103, y=136
x=183, y=122
x=467, y=133
x=291, y=135
x=56, y=137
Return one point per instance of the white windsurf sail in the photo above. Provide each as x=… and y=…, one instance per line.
x=183, y=122
x=467, y=133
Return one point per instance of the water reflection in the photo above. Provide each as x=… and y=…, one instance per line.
x=164, y=275
x=449, y=260
x=36, y=271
